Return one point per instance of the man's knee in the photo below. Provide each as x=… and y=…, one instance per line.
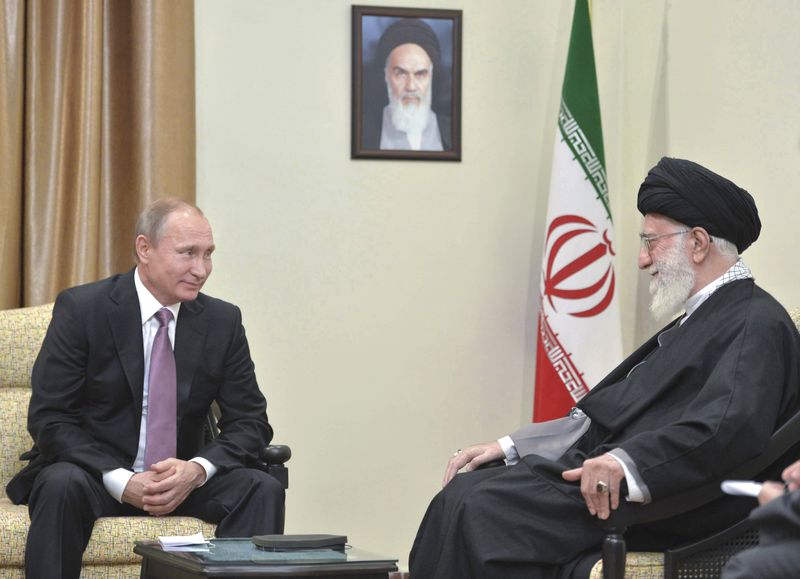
x=462, y=501
x=745, y=564
x=775, y=561
x=265, y=484
x=463, y=486
x=60, y=481
x=254, y=483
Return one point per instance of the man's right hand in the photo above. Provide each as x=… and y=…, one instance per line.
x=791, y=476
x=471, y=458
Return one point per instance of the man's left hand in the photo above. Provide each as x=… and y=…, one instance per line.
x=605, y=469
x=173, y=481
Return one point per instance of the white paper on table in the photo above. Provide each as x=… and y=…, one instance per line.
x=194, y=542
x=744, y=488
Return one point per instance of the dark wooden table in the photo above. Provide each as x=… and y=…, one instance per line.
x=240, y=558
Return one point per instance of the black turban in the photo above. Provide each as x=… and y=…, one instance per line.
x=409, y=31
x=693, y=195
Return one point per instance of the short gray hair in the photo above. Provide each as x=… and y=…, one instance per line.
x=152, y=220
x=725, y=247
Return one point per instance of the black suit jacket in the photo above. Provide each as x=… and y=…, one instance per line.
x=86, y=403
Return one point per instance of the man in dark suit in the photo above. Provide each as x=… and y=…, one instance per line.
x=95, y=391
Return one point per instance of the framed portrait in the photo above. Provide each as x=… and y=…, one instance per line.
x=406, y=100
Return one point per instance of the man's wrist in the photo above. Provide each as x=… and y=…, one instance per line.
x=115, y=482
x=637, y=489
x=208, y=469
x=509, y=449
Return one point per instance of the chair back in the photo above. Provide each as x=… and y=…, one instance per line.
x=22, y=332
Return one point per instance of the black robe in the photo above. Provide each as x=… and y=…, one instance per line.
x=703, y=403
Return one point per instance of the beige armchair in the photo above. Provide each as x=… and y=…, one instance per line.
x=110, y=551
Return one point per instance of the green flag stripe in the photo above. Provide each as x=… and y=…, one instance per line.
x=579, y=90
x=575, y=137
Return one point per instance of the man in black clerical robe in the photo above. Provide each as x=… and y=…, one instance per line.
x=695, y=401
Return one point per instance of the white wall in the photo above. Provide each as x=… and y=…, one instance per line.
x=390, y=305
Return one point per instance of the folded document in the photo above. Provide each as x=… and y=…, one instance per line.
x=194, y=542
x=744, y=488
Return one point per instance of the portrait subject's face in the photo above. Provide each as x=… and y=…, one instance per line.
x=408, y=75
x=175, y=269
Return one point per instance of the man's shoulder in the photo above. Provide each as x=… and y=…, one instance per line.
x=752, y=308
x=763, y=303
x=445, y=130
x=746, y=296
x=220, y=317
x=765, y=308
x=444, y=122
x=215, y=306
x=90, y=293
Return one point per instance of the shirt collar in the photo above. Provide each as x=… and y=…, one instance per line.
x=736, y=272
x=148, y=304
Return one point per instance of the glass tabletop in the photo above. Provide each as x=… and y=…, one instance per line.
x=244, y=552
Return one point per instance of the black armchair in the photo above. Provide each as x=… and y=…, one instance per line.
x=704, y=558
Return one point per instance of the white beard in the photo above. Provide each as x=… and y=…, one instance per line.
x=673, y=284
x=410, y=118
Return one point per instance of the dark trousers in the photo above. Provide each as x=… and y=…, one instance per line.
x=776, y=561
x=66, y=501
x=522, y=521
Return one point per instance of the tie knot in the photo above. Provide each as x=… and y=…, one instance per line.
x=164, y=315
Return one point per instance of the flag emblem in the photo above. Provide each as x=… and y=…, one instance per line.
x=559, y=279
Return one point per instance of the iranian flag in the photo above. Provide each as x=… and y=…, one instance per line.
x=579, y=338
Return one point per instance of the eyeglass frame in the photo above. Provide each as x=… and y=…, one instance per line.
x=647, y=240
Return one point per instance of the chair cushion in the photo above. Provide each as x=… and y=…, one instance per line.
x=638, y=565
x=112, y=538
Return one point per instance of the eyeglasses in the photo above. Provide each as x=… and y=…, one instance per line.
x=647, y=240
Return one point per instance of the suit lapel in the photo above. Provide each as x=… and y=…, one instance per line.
x=190, y=335
x=125, y=321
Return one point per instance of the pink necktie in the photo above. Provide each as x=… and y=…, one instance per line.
x=162, y=396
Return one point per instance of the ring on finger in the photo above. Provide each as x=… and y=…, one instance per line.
x=601, y=487
x=456, y=453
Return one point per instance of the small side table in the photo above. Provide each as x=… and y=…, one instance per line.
x=240, y=558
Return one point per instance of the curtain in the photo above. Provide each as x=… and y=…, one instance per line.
x=97, y=119
x=12, y=19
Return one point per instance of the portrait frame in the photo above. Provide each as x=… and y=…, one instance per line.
x=371, y=92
